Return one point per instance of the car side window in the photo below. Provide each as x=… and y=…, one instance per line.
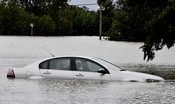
x=87, y=65
x=56, y=64
x=44, y=65
x=60, y=64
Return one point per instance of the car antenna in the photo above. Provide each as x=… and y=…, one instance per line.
x=49, y=52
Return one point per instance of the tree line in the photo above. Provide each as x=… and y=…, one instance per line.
x=148, y=21
x=50, y=18
x=151, y=21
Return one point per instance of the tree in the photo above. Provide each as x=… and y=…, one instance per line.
x=55, y=9
x=151, y=21
x=161, y=32
x=13, y=19
x=83, y=21
x=2, y=6
x=50, y=17
x=80, y=19
x=107, y=8
x=44, y=26
x=130, y=20
x=42, y=7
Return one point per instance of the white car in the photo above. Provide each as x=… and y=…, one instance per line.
x=79, y=67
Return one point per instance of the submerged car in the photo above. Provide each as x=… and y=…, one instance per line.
x=79, y=67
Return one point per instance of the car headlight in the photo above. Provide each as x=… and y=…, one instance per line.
x=152, y=80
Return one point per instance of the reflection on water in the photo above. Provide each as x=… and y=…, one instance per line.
x=15, y=53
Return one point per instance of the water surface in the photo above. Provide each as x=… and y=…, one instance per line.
x=20, y=51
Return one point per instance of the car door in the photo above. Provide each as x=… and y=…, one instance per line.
x=88, y=69
x=56, y=68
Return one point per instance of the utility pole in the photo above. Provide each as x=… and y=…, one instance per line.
x=100, y=22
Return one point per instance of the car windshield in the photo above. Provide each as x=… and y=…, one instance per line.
x=109, y=64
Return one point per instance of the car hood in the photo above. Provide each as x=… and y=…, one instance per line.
x=141, y=77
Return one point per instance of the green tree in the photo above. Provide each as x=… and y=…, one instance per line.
x=52, y=8
x=50, y=17
x=132, y=18
x=145, y=20
x=80, y=19
x=2, y=6
x=82, y=22
x=56, y=9
x=13, y=19
x=42, y=7
x=107, y=8
x=161, y=32
x=44, y=26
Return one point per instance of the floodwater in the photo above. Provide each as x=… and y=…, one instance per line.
x=21, y=51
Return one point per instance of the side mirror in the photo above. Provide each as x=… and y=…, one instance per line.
x=103, y=71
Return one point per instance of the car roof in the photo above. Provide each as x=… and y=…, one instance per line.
x=64, y=56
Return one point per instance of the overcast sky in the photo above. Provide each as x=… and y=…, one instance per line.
x=91, y=7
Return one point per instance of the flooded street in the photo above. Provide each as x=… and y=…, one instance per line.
x=21, y=51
